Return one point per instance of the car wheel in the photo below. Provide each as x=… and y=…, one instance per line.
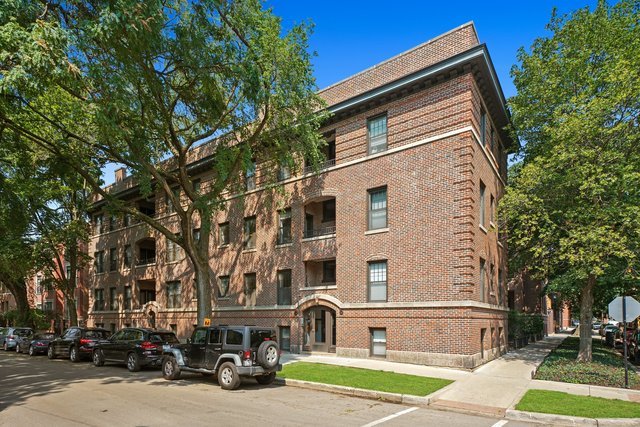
x=266, y=379
x=268, y=354
x=74, y=356
x=51, y=354
x=228, y=377
x=98, y=358
x=17, y=348
x=5, y=347
x=133, y=362
x=31, y=351
x=170, y=368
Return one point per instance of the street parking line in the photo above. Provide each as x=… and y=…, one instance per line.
x=390, y=417
x=500, y=423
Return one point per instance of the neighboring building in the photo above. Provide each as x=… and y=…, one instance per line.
x=390, y=251
x=7, y=303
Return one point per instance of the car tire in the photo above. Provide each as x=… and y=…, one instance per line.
x=228, y=377
x=266, y=379
x=5, y=347
x=32, y=352
x=51, y=354
x=17, y=348
x=98, y=358
x=133, y=362
x=170, y=368
x=268, y=354
x=74, y=356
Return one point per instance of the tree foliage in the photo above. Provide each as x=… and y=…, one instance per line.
x=143, y=84
x=573, y=203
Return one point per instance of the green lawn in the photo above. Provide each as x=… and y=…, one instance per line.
x=363, y=378
x=606, y=369
x=555, y=402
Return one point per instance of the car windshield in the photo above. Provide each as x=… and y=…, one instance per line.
x=257, y=337
x=22, y=332
x=168, y=337
x=44, y=337
x=96, y=334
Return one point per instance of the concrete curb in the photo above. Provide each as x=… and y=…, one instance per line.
x=406, y=399
x=564, y=420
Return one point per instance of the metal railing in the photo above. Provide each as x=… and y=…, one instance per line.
x=324, y=165
x=322, y=231
x=146, y=261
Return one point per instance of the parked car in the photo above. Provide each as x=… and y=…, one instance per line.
x=13, y=335
x=596, y=325
x=230, y=352
x=36, y=344
x=135, y=347
x=3, y=334
x=634, y=346
x=76, y=343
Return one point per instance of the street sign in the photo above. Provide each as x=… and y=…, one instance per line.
x=207, y=321
x=615, y=309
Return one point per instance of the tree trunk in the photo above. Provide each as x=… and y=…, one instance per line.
x=586, y=314
x=202, y=278
x=72, y=310
x=19, y=292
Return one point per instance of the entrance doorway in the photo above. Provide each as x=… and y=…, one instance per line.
x=320, y=329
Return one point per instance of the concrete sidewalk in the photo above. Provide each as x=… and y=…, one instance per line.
x=490, y=389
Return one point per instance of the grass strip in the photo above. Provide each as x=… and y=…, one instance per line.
x=559, y=403
x=606, y=368
x=368, y=379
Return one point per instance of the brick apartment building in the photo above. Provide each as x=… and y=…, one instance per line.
x=391, y=250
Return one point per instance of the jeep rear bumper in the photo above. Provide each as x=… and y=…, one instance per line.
x=253, y=371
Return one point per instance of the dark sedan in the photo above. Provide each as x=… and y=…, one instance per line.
x=135, y=347
x=36, y=344
x=76, y=343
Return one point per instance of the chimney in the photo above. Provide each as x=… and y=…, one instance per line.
x=121, y=174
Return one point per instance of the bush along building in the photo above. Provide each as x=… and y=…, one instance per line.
x=390, y=250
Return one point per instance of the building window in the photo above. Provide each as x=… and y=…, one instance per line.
x=98, y=259
x=98, y=224
x=173, y=295
x=113, y=299
x=377, y=134
x=284, y=230
x=492, y=139
x=98, y=300
x=500, y=287
x=39, y=284
x=250, y=289
x=196, y=235
x=147, y=295
x=378, y=281
x=329, y=210
x=285, y=338
x=284, y=172
x=378, y=208
x=126, y=220
x=170, y=206
x=223, y=233
x=483, y=189
x=492, y=209
x=250, y=176
x=379, y=342
x=112, y=222
x=284, y=287
x=113, y=259
x=128, y=256
x=197, y=184
x=249, y=233
x=223, y=286
x=48, y=306
x=127, y=297
x=329, y=271
x=174, y=251
x=483, y=278
x=483, y=126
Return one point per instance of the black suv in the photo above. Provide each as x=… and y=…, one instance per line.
x=135, y=347
x=76, y=343
x=230, y=352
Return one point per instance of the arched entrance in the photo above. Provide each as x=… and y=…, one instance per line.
x=319, y=329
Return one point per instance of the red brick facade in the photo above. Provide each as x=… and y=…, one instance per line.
x=437, y=309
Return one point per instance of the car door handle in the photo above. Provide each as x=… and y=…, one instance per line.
x=217, y=348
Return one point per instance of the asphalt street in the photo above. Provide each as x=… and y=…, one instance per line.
x=38, y=391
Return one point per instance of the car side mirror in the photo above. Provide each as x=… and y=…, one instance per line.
x=188, y=340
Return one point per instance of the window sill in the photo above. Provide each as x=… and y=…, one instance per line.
x=153, y=264
x=483, y=228
x=319, y=287
x=323, y=237
x=500, y=244
x=173, y=262
x=226, y=245
x=224, y=299
x=377, y=231
x=284, y=245
x=248, y=251
x=492, y=225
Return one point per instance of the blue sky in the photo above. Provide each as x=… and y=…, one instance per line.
x=350, y=36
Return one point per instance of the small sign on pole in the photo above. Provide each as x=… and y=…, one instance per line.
x=623, y=308
x=207, y=321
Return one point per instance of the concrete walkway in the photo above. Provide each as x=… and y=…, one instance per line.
x=490, y=389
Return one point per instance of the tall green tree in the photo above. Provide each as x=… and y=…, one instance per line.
x=138, y=82
x=573, y=203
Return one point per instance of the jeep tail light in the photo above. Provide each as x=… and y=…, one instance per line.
x=10, y=337
x=146, y=345
x=246, y=354
x=84, y=341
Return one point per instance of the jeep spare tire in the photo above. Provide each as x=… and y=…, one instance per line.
x=268, y=354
